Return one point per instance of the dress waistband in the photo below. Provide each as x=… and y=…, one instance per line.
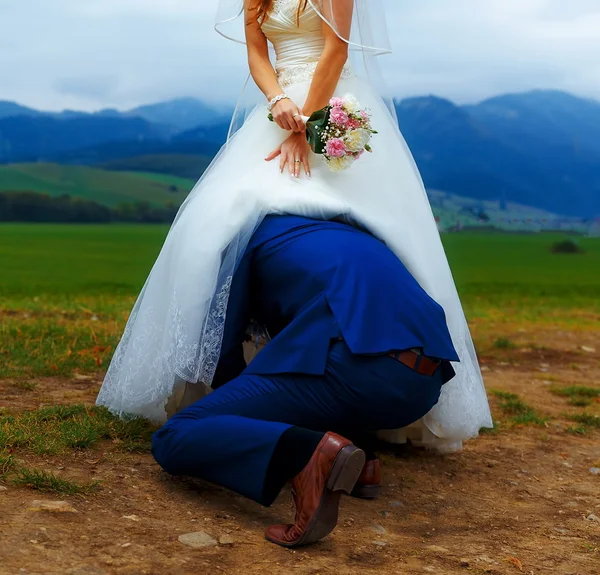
x=304, y=73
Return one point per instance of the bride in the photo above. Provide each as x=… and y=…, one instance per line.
x=172, y=341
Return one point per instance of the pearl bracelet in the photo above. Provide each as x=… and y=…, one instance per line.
x=277, y=99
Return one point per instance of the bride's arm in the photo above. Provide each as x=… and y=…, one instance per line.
x=285, y=112
x=332, y=60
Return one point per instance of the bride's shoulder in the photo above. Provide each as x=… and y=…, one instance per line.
x=274, y=5
x=252, y=5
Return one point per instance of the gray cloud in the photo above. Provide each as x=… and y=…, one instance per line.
x=94, y=87
x=122, y=53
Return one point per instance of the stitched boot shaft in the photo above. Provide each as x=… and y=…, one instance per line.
x=333, y=469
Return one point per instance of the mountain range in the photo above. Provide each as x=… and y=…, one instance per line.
x=540, y=148
x=178, y=115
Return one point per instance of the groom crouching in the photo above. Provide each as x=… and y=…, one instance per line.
x=357, y=346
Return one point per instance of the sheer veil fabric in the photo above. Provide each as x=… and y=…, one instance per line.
x=173, y=337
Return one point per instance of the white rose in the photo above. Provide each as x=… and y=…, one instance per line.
x=356, y=140
x=351, y=104
x=340, y=164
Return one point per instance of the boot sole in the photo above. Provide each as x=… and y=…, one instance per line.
x=366, y=491
x=343, y=476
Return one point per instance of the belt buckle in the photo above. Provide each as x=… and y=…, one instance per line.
x=420, y=356
x=419, y=353
x=418, y=362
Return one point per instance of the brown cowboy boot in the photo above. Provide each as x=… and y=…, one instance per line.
x=333, y=468
x=368, y=485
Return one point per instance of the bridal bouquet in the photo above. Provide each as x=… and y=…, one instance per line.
x=341, y=132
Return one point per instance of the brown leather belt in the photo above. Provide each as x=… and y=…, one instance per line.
x=420, y=363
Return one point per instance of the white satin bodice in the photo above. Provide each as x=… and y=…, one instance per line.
x=298, y=43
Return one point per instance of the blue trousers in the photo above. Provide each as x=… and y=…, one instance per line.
x=229, y=437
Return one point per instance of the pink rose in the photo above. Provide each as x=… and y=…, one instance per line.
x=339, y=117
x=335, y=148
x=353, y=123
x=337, y=102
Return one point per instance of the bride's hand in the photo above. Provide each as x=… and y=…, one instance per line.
x=288, y=116
x=293, y=153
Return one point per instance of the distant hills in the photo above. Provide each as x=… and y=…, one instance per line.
x=106, y=188
x=180, y=114
x=540, y=148
x=183, y=114
x=8, y=109
x=124, y=190
x=31, y=138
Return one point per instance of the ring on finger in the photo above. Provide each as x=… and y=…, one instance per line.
x=297, y=161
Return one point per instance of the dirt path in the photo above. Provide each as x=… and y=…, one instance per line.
x=522, y=499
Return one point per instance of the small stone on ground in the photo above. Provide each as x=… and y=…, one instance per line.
x=52, y=506
x=198, y=540
x=437, y=549
x=226, y=540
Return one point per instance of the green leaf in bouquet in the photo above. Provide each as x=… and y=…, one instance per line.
x=315, y=129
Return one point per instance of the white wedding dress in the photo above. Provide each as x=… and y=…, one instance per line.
x=174, y=333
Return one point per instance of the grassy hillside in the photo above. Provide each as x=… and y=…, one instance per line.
x=453, y=208
x=104, y=187
x=137, y=179
x=189, y=166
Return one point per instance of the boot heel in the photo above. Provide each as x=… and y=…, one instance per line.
x=346, y=470
x=366, y=491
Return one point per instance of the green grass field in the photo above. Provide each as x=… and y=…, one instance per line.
x=113, y=260
x=506, y=265
x=72, y=261
x=102, y=186
x=66, y=291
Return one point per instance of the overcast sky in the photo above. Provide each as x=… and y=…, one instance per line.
x=90, y=54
